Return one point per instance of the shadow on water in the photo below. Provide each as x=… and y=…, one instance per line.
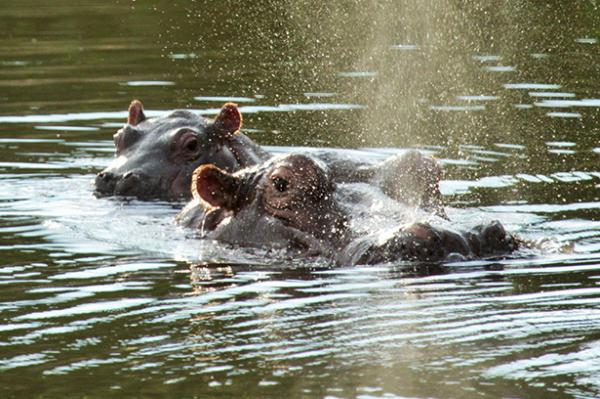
x=103, y=297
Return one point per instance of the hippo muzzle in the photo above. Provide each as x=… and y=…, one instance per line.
x=133, y=183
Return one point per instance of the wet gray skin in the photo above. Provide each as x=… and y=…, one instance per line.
x=410, y=178
x=155, y=158
x=289, y=202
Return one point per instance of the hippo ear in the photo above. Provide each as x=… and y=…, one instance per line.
x=229, y=120
x=215, y=186
x=136, y=113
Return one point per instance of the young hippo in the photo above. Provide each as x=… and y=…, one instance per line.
x=155, y=157
x=290, y=202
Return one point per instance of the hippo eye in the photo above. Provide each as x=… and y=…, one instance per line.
x=191, y=145
x=186, y=142
x=280, y=184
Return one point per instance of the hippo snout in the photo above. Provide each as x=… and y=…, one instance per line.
x=105, y=183
x=131, y=183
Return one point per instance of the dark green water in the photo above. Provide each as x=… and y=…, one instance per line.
x=100, y=298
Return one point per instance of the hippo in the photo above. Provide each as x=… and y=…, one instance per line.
x=155, y=157
x=290, y=202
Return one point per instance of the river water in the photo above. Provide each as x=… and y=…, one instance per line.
x=107, y=298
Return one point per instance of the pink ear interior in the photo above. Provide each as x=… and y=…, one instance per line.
x=229, y=119
x=136, y=113
x=206, y=184
x=214, y=186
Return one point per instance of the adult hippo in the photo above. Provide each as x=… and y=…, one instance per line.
x=155, y=157
x=291, y=202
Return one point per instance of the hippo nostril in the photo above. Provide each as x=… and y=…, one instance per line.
x=105, y=176
x=105, y=182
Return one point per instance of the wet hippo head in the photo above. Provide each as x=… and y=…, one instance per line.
x=286, y=202
x=155, y=157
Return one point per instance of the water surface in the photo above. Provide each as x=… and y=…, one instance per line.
x=107, y=298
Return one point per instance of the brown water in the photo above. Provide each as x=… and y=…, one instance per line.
x=101, y=298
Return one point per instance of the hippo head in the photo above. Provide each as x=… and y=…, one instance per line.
x=287, y=202
x=155, y=157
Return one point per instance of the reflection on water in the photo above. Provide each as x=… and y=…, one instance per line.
x=106, y=297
